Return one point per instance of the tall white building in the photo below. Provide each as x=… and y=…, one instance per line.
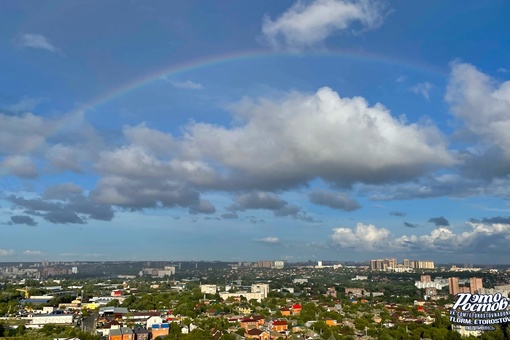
x=279, y=264
x=262, y=288
x=168, y=271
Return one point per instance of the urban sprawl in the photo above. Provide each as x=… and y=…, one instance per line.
x=265, y=300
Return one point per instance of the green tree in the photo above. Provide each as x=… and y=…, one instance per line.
x=199, y=334
x=113, y=303
x=361, y=323
x=228, y=336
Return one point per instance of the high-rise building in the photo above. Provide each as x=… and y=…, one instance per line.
x=424, y=265
x=278, y=264
x=475, y=284
x=376, y=265
x=453, y=285
x=264, y=264
x=384, y=265
x=425, y=278
x=392, y=263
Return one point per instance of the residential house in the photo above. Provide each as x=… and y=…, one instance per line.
x=279, y=325
x=330, y=322
x=260, y=319
x=285, y=311
x=256, y=334
x=141, y=334
x=123, y=333
x=276, y=335
x=115, y=334
x=248, y=323
x=153, y=320
x=160, y=329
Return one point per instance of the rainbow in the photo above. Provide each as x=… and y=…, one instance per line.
x=209, y=61
x=78, y=114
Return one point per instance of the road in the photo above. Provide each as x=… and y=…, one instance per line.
x=89, y=323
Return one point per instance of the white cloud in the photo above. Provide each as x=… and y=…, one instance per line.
x=307, y=24
x=132, y=161
x=484, y=237
x=149, y=139
x=6, y=252
x=364, y=237
x=422, y=89
x=20, y=166
x=24, y=105
x=304, y=136
x=64, y=157
x=23, y=133
x=32, y=252
x=188, y=84
x=482, y=103
x=269, y=240
x=401, y=79
x=36, y=41
x=36, y=138
x=273, y=144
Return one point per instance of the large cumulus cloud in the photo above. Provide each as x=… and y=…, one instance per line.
x=300, y=137
x=482, y=105
x=272, y=145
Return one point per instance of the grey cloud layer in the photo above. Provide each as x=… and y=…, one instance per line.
x=333, y=200
x=439, y=221
x=62, y=204
x=267, y=201
x=22, y=219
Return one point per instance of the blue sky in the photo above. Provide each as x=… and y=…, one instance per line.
x=308, y=130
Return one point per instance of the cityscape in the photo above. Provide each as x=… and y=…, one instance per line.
x=262, y=300
x=254, y=170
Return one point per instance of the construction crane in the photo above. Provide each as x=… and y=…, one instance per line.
x=27, y=294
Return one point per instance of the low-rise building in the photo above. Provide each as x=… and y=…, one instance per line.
x=55, y=319
x=160, y=329
x=279, y=325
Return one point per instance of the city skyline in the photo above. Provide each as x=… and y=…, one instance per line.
x=300, y=130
